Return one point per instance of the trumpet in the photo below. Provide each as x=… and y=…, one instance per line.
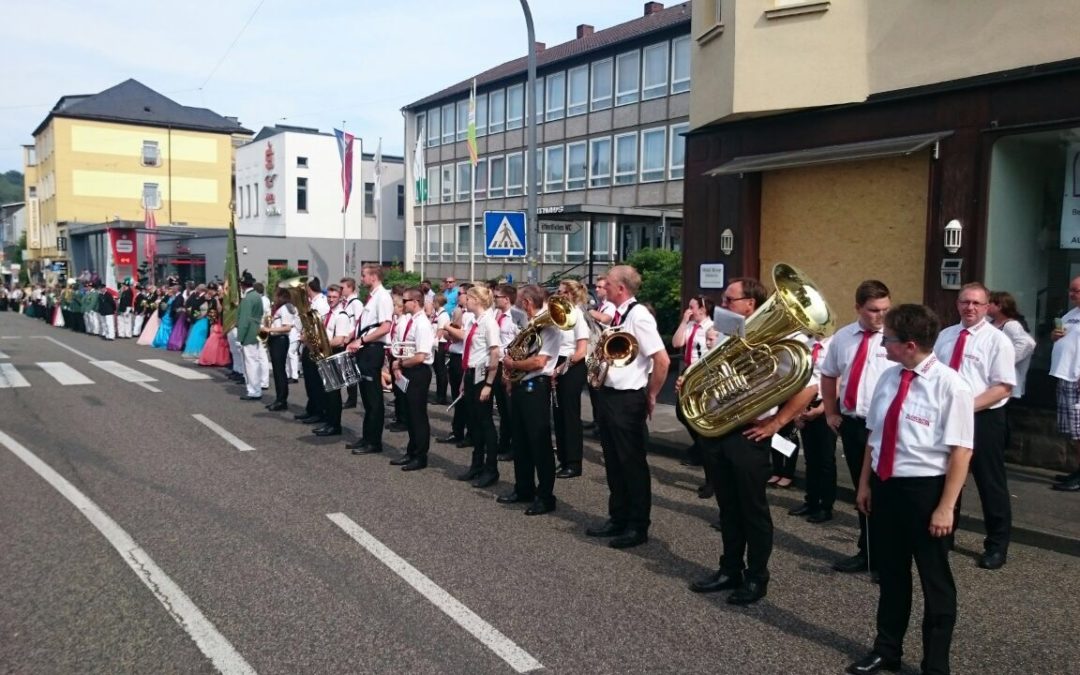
x=403, y=349
x=528, y=342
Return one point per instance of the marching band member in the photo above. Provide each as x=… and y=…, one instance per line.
x=530, y=404
x=415, y=370
x=849, y=373
x=339, y=331
x=350, y=303
x=819, y=450
x=690, y=337
x=461, y=320
x=985, y=358
x=626, y=399
x=399, y=333
x=915, y=463
x=125, y=311
x=483, y=349
x=440, y=321
x=569, y=381
x=283, y=321
x=505, y=299
x=316, y=394
x=369, y=347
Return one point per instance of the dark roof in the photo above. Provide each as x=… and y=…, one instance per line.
x=270, y=132
x=133, y=102
x=623, y=32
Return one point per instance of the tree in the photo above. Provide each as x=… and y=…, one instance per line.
x=661, y=285
x=11, y=187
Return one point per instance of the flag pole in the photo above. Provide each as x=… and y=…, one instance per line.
x=344, y=210
x=471, y=142
x=377, y=197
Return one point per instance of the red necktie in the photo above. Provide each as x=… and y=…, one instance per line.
x=408, y=327
x=887, y=456
x=499, y=319
x=851, y=394
x=468, y=345
x=326, y=321
x=615, y=322
x=690, y=344
x=957, y=358
x=815, y=353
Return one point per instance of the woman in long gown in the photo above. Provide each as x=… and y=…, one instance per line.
x=216, y=350
x=151, y=322
x=165, y=314
x=181, y=323
x=200, y=325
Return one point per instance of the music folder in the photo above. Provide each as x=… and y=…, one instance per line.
x=729, y=323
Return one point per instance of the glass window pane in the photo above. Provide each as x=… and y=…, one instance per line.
x=496, y=110
x=463, y=242
x=625, y=159
x=481, y=114
x=497, y=181
x=433, y=242
x=433, y=189
x=680, y=64
x=433, y=133
x=515, y=106
x=447, y=183
x=627, y=77
x=448, y=123
x=464, y=181
x=575, y=245
x=578, y=91
x=677, y=161
x=462, y=119
x=576, y=165
x=601, y=240
x=539, y=100
x=556, y=96
x=655, y=71
x=601, y=84
x=481, y=179
x=556, y=172
x=600, y=162
x=653, y=154
x=515, y=174
x=448, y=242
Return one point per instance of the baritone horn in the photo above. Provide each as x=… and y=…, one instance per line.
x=741, y=377
x=528, y=342
x=615, y=348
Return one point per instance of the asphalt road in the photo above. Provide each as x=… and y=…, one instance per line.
x=246, y=537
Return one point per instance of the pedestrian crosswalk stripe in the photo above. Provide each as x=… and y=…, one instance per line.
x=63, y=373
x=173, y=369
x=10, y=378
x=3, y=355
x=123, y=372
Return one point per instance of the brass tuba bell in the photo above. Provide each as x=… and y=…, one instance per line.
x=741, y=377
x=312, y=330
x=528, y=341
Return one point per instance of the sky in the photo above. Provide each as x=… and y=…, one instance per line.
x=319, y=63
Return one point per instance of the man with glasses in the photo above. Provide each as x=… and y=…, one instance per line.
x=416, y=370
x=986, y=359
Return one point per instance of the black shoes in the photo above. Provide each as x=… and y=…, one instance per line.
x=472, y=474
x=872, y=663
x=856, y=563
x=512, y=497
x=608, y=529
x=245, y=397
x=705, y=491
x=396, y=427
x=717, y=581
x=401, y=461
x=506, y=457
x=328, y=431
x=992, y=560
x=803, y=510
x=568, y=472
x=750, y=592
x=362, y=447
x=451, y=438
x=466, y=442
x=1070, y=485
x=312, y=419
x=820, y=516
x=540, y=506
x=415, y=465
x=630, y=539
x=300, y=417
x=277, y=406
x=485, y=479
x=348, y=404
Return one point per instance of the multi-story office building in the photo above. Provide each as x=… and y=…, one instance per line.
x=107, y=161
x=289, y=205
x=612, y=107
x=12, y=226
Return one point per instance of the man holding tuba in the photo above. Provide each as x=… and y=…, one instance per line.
x=626, y=397
x=316, y=394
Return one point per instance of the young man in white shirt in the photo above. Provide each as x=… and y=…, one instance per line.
x=339, y=330
x=369, y=348
x=1065, y=367
x=985, y=358
x=916, y=460
x=416, y=369
x=351, y=305
x=316, y=404
x=505, y=298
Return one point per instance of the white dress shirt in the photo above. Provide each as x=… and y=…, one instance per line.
x=642, y=325
x=1065, y=358
x=698, y=348
x=938, y=413
x=458, y=346
x=378, y=309
x=422, y=334
x=989, y=358
x=580, y=331
x=484, y=338
x=320, y=304
x=551, y=337
x=442, y=318
x=1023, y=346
x=840, y=357
x=508, y=328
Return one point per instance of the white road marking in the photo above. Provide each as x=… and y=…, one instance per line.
x=10, y=378
x=3, y=355
x=149, y=387
x=221, y=431
x=56, y=342
x=127, y=374
x=173, y=369
x=63, y=373
x=518, y=658
x=10, y=337
x=206, y=636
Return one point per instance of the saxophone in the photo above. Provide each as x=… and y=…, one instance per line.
x=312, y=330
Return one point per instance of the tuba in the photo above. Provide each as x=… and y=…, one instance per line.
x=312, y=331
x=528, y=342
x=741, y=377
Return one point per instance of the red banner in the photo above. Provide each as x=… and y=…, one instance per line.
x=123, y=247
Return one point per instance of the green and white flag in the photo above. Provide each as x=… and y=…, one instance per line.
x=419, y=172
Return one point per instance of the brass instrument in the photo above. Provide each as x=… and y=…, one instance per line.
x=741, y=377
x=528, y=342
x=264, y=329
x=403, y=349
x=312, y=330
x=615, y=348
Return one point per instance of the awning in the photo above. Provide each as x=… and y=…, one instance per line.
x=582, y=211
x=829, y=154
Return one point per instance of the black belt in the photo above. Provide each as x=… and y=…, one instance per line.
x=612, y=390
x=854, y=418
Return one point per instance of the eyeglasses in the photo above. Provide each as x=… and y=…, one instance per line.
x=892, y=340
x=449, y=281
x=727, y=301
x=970, y=303
x=499, y=296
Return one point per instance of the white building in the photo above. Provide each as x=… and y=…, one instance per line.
x=12, y=225
x=289, y=205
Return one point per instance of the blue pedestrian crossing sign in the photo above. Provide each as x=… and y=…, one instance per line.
x=504, y=234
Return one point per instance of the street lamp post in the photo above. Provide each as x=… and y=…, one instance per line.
x=533, y=272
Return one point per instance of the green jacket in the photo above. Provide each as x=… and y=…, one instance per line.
x=249, y=318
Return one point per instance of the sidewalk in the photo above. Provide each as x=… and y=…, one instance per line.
x=1041, y=517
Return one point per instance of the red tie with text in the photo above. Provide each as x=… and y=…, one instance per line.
x=690, y=344
x=887, y=456
x=851, y=393
x=957, y=358
x=408, y=327
x=468, y=345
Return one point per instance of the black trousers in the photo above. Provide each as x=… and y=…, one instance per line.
x=401, y=403
x=419, y=378
x=332, y=403
x=853, y=436
x=461, y=410
x=506, y=420
x=819, y=451
x=369, y=360
x=623, y=435
x=441, y=379
x=569, y=444
x=534, y=459
x=782, y=465
x=988, y=470
x=278, y=345
x=902, y=507
x=313, y=387
x=485, y=441
x=741, y=468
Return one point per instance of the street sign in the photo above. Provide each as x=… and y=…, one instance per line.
x=504, y=234
x=711, y=275
x=558, y=227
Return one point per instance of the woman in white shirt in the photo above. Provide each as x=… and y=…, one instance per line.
x=1003, y=313
x=690, y=339
x=569, y=382
x=440, y=322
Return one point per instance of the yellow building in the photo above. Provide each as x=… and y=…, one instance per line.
x=117, y=156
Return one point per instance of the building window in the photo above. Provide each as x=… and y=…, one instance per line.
x=418, y=242
x=601, y=85
x=369, y=199
x=463, y=241
x=625, y=159
x=301, y=195
x=302, y=266
x=238, y=207
x=481, y=182
x=464, y=181
x=577, y=165
x=462, y=119
x=448, y=242
x=600, y=162
x=433, y=242
x=496, y=111
x=653, y=154
x=578, y=91
x=515, y=106
x=478, y=241
x=677, y=161
x=151, y=197
x=555, y=161
x=301, y=162
x=255, y=205
x=680, y=63
x=627, y=77
x=401, y=201
x=556, y=96
x=481, y=114
x=539, y=173
x=515, y=174
x=539, y=110
x=600, y=246
x=575, y=245
x=553, y=247
x=497, y=180
x=433, y=128
x=421, y=125
x=448, y=123
x=447, y=180
x=150, y=154
x=31, y=192
x=433, y=185
x=655, y=71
